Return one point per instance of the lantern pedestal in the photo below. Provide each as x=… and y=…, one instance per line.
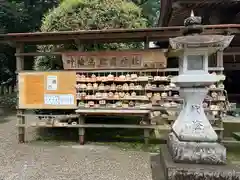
x=164, y=168
x=196, y=152
x=192, y=123
x=193, y=140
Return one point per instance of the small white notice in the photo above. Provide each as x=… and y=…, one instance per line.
x=59, y=99
x=52, y=83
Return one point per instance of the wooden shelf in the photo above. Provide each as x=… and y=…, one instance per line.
x=158, y=127
x=161, y=127
x=114, y=99
x=231, y=121
x=173, y=118
x=153, y=89
x=216, y=89
x=120, y=110
x=122, y=81
x=112, y=111
x=141, y=70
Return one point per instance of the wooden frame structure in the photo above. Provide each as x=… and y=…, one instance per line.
x=19, y=40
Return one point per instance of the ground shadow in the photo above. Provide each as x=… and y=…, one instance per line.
x=4, y=117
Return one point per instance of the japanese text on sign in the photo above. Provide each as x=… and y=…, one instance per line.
x=73, y=62
x=114, y=59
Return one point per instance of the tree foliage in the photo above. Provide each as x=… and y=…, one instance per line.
x=151, y=10
x=78, y=15
x=23, y=15
x=18, y=16
x=94, y=14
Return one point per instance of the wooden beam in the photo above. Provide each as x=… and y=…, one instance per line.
x=129, y=35
x=133, y=70
x=122, y=126
x=232, y=49
x=161, y=127
x=231, y=53
x=38, y=54
x=227, y=50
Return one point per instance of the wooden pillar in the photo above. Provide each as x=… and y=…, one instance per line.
x=81, y=119
x=146, y=43
x=20, y=112
x=146, y=118
x=220, y=59
x=220, y=64
x=146, y=131
x=20, y=59
x=21, y=122
x=81, y=130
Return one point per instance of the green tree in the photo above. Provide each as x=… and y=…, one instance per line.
x=151, y=10
x=19, y=16
x=90, y=15
x=23, y=15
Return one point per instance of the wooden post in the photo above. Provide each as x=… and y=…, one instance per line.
x=1, y=90
x=221, y=126
x=146, y=131
x=146, y=118
x=220, y=59
x=81, y=120
x=21, y=130
x=20, y=119
x=4, y=89
x=20, y=59
x=10, y=89
x=146, y=43
x=81, y=131
x=220, y=64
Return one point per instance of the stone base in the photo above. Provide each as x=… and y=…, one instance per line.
x=196, y=152
x=182, y=171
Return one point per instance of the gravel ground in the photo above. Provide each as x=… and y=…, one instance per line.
x=55, y=161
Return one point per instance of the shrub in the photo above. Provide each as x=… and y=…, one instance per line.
x=75, y=15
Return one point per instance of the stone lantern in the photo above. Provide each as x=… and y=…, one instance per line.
x=193, y=139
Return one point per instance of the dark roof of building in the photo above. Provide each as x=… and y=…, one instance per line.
x=173, y=12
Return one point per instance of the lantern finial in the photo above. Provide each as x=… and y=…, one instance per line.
x=192, y=13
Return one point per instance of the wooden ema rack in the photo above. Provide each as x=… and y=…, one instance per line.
x=111, y=84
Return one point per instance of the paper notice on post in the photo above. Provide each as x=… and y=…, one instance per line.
x=51, y=83
x=59, y=99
